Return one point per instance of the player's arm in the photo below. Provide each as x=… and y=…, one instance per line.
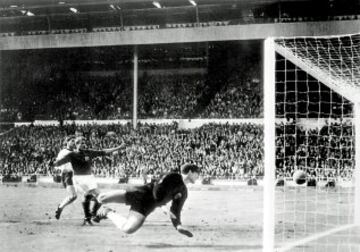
x=177, y=225
x=62, y=160
x=103, y=152
x=175, y=213
x=120, y=147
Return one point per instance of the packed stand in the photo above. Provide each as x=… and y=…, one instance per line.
x=77, y=98
x=170, y=96
x=223, y=151
x=236, y=102
x=324, y=153
x=102, y=97
x=240, y=95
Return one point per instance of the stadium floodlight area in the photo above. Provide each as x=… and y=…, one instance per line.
x=312, y=123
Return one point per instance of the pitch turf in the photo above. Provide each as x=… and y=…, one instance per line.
x=228, y=220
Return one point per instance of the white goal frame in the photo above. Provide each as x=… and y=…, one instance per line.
x=269, y=52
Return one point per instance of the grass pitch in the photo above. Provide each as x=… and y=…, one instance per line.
x=228, y=220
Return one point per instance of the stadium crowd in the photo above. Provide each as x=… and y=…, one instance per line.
x=222, y=151
x=227, y=151
x=236, y=101
x=232, y=151
x=170, y=96
x=78, y=97
x=241, y=96
x=326, y=152
x=110, y=97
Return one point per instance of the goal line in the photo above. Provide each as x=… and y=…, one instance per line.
x=314, y=237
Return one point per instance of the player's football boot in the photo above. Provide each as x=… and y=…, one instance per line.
x=96, y=219
x=87, y=221
x=58, y=213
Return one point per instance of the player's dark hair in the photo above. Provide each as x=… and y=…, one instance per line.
x=79, y=138
x=68, y=138
x=186, y=168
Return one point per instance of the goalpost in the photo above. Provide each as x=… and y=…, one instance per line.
x=311, y=123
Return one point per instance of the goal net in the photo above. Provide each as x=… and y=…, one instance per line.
x=313, y=112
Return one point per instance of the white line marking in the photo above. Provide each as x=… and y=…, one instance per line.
x=314, y=237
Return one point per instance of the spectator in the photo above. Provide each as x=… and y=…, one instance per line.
x=322, y=152
x=222, y=150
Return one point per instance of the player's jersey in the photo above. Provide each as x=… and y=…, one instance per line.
x=66, y=167
x=81, y=160
x=171, y=187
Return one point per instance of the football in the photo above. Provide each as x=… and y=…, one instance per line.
x=299, y=177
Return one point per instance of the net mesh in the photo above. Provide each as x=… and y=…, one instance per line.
x=317, y=80
x=335, y=60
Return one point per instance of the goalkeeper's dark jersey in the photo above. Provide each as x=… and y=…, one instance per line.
x=171, y=187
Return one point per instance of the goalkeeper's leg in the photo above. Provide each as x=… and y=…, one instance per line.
x=136, y=216
x=127, y=225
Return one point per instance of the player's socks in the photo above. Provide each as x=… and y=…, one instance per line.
x=95, y=208
x=58, y=212
x=86, y=207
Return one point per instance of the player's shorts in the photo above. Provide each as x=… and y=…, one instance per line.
x=67, y=178
x=85, y=182
x=140, y=199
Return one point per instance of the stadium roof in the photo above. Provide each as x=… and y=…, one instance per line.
x=45, y=15
x=10, y=8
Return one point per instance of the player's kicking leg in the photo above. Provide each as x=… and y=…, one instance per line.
x=117, y=196
x=67, y=201
x=88, y=185
x=127, y=225
x=70, y=188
